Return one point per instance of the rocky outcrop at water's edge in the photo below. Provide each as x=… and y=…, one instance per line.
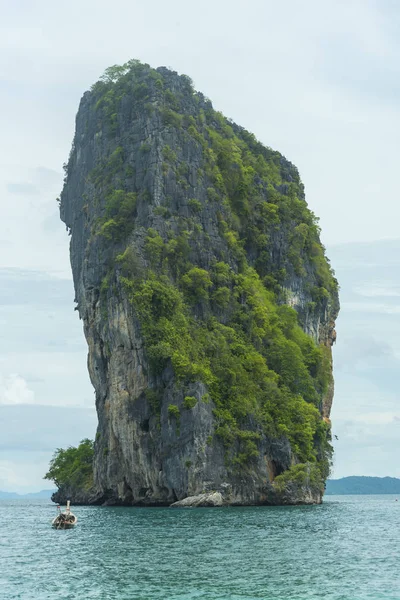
x=189, y=240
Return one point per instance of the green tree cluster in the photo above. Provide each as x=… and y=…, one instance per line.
x=73, y=467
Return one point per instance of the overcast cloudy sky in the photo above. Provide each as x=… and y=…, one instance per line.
x=316, y=79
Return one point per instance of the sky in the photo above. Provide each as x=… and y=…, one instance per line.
x=316, y=80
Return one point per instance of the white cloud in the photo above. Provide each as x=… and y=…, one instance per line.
x=15, y=390
x=371, y=289
x=42, y=339
x=9, y=478
x=378, y=418
x=32, y=220
x=371, y=307
x=28, y=440
x=23, y=472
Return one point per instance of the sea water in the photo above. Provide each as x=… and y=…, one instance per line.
x=346, y=549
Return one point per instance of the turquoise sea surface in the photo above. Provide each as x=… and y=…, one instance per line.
x=346, y=549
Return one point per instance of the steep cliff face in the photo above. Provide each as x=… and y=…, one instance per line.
x=207, y=302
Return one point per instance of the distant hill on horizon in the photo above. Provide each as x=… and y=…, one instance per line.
x=355, y=485
x=14, y=496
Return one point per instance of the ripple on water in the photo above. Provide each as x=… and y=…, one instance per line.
x=346, y=549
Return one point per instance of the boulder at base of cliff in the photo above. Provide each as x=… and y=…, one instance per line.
x=211, y=499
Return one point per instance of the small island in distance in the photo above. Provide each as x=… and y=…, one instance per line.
x=43, y=494
x=361, y=485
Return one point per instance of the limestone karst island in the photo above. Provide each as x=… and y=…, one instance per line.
x=207, y=301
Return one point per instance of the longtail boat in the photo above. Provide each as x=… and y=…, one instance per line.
x=64, y=520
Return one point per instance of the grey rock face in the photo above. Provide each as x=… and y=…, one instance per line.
x=144, y=458
x=77, y=495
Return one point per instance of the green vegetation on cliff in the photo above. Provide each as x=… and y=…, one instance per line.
x=258, y=190
x=72, y=468
x=222, y=317
x=259, y=364
x=300, y=476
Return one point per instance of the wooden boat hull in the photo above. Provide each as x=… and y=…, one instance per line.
x=63, y=521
